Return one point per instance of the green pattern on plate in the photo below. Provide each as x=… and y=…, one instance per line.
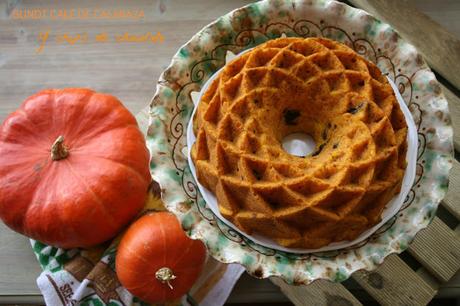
x=247, y=27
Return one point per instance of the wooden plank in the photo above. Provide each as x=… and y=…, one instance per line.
x=23, y=299
x=437, y=11
x=256, y=291
x=126, y=70
x=437, y=248
x=454, y=108
x=451, y=201
x=395, y=283
x=440, y=48
x=320, y=292
x=18, y=265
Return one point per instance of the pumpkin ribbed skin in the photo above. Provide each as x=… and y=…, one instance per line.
x=153, y=242
x=84, y=198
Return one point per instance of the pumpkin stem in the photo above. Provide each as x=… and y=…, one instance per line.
x=165, y=275
x=58, y=149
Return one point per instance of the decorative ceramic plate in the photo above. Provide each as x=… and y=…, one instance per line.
x=245, y=28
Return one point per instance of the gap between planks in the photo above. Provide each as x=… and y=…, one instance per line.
x=437, y=248
x=451, y=201
x=454, y=109
x=392, y=283
x=320, y=292
x=395, y=283
x=440, y=48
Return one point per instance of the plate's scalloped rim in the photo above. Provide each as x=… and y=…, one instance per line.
x=369, y=264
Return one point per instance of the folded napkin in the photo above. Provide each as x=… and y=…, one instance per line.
x=87, y=276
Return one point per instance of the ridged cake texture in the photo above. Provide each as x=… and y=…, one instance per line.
x=315, y=86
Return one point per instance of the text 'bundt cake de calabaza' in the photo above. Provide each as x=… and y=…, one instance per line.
x=315, y=86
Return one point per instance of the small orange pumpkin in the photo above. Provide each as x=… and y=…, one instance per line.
x=156, y=261
x=74, y=168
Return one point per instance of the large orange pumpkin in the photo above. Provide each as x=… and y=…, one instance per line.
x=156, y=261
x=73, y=168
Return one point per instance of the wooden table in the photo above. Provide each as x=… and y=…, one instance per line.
x=130, y=71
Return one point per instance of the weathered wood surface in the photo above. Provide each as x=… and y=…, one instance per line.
x=438, y=249
x=395, y=283
x=126, y=70
x=452, y=201
x=454, y=108
x=130, y=71
x=320, y=292
x=440, y=48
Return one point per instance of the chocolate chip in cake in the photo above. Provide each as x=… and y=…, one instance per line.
x=324, y=134
x=257, y=175
x=320, y=148
x=290, y=116
x=353, y=110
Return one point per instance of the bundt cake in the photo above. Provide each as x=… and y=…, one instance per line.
x=315, y=86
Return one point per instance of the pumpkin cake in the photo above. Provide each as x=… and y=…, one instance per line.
x=315, y=86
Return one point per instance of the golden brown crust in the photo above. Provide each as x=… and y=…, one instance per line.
x=315, y=86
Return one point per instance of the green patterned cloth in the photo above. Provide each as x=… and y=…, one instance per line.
x=74, y=277
x=87, y=276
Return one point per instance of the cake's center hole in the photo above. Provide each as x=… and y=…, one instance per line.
x=299, y=144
